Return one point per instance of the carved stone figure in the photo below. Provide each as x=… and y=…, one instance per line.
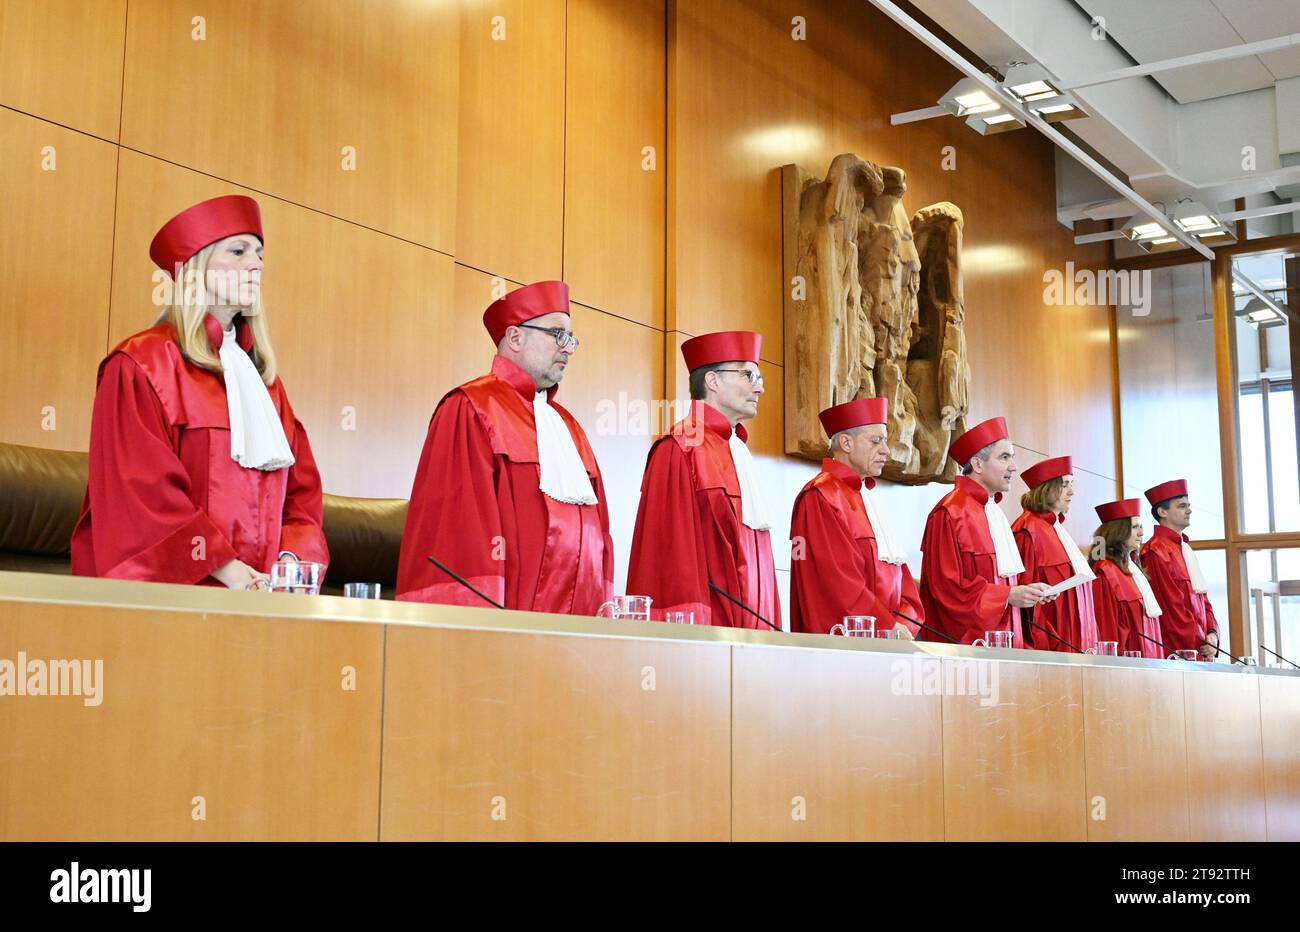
x=873, y=308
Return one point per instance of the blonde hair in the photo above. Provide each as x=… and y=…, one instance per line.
x=189, y=307
x=1042, y=496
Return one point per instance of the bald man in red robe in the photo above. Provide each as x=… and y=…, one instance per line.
x=844, y=559
x=702, y=518
x=1171, y=567
x=508, y=496
x=970, y=566
x=1068, y=623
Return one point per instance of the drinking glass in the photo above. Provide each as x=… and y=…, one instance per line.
x=856, y=626
x=298, y=578
x=993, y=639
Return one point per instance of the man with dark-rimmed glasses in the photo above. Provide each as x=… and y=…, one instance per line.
x=508, y=499
x=702, y=541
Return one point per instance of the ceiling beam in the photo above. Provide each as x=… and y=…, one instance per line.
x=1030, y=118
x=1186, y=61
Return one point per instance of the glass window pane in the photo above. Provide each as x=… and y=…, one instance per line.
x=1214, y=565
x=1254, y=468
x=1169, y=409
x=1273, y=605
x=1264, y=285
x=1286, y=477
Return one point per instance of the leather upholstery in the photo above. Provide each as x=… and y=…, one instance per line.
x=41, y=493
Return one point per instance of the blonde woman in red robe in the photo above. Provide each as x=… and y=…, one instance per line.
x=199, y=471
x=1051, y=557
x=1127, y=610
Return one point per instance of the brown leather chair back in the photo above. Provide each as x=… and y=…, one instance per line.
x=40, y=499
x=41, y=493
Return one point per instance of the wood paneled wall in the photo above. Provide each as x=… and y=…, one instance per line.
x=410, y=155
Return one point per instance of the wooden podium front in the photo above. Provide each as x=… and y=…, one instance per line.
x=232, y=715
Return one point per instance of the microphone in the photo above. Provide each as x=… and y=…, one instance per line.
x=1280, y=657
x=925, y=627
x=1034, y=624
x=1217, y=651
x=731, y=598
x=491, y=602
x=1159, y=645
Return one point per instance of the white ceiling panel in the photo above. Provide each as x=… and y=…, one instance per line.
x=1217, y=79
x=1261, y=19
x=1158, y=29
x=1283, y=64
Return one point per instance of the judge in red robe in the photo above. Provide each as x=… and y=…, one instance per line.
x=702, y=517
x=1067, y=623
x=508, y=495
x=199, y=472
x=970, y=566
x=1127, y=610
x=1188, y=621
x=844, y=558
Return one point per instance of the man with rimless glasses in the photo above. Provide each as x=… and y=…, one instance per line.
x=508, y=496
x=702, y=525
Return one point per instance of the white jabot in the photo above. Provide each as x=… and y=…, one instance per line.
x=887, y=547
x=1149, y=603
x=257, y=438
x=1004, y=541
x=1193, y=569
x=1078, y=563
x=564, y=478
x=753, y=510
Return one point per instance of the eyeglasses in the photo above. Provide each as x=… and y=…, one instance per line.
x=563, y=338
x=752, y=375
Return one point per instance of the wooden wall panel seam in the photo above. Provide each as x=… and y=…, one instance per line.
x=285, y=200
x=44, y=119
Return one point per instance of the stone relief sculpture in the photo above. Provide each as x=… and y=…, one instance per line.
x=873, y=307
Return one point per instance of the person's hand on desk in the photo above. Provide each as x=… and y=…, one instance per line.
x=239, y=575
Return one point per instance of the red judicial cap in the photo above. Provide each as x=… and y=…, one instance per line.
x=726, y=346
x=202, y=225
x=1166, y=490
x=1124, y=508
x=854, y=414
x=523, y=304
x=1047, y=470
x=977, y=438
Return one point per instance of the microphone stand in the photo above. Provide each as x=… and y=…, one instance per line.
x=1034, y=624
x=1161, y=646
x=492, y=602
x=730, y=598
x=922, y=625
x=1280, y=657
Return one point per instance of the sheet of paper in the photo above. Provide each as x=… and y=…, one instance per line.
x=1075, y=580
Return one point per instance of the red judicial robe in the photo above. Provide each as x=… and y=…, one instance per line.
x=1186, y=616
x=688, y=529
x=1070, y=615
x=960, y=588
x=161, y=478
x=477, y=509
x=1121, y=616
x=840, y=573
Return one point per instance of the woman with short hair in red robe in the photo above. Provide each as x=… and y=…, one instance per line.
x=1127, y=610
x=1067, y=623
x=199, y=470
